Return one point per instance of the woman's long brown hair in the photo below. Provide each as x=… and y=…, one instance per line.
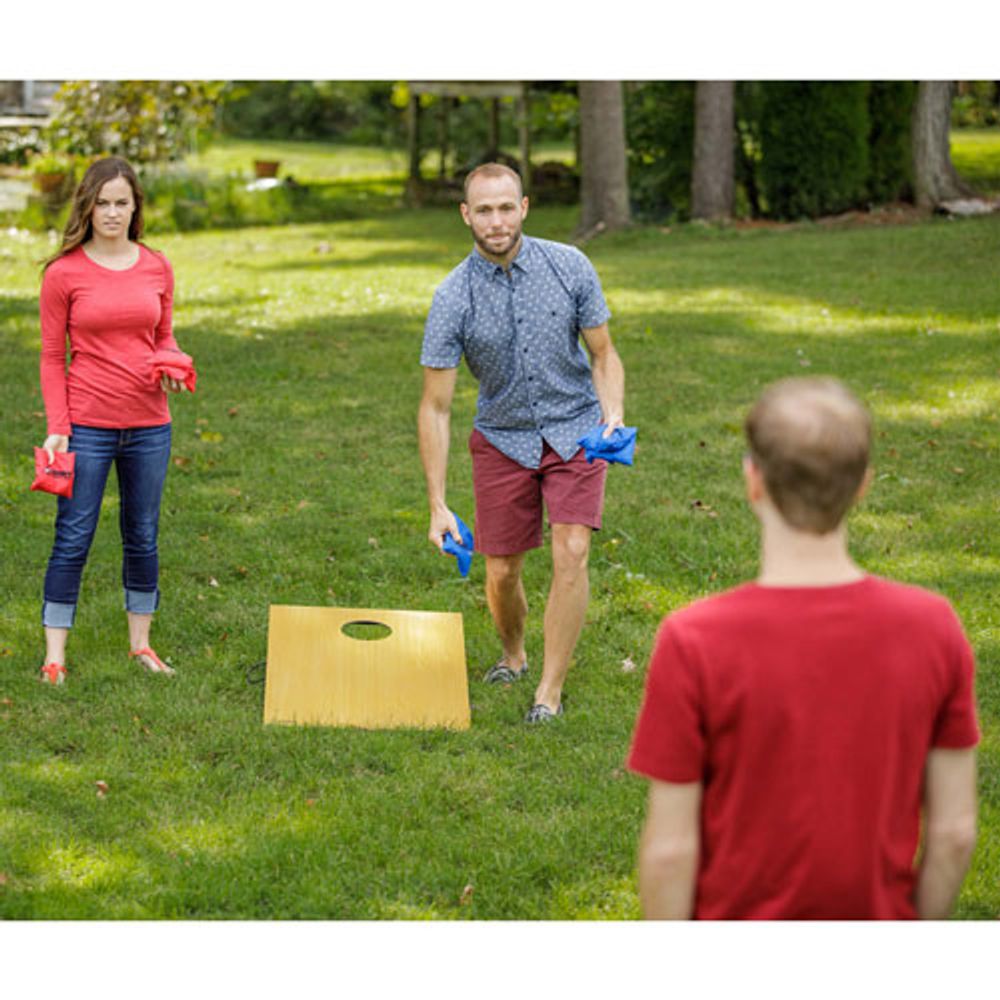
x=79, y=228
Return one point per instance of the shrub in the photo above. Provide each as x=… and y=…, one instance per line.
x=660, y=129
x=179, y=200
x=18, y=145
x=358, y=111
x=142, y=120
x=890, y=173
x=976, y=105
x=814, y=147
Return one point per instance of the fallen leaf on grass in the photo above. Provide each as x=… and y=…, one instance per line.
x=705, y=508
x=242, y=570
x=958, y=471
x=6, y=702
x=628, y=665
x=302, y=504
x=310, y=802
x=102, y=788
x=181, y=461
x=233, y=411
x=212, y=437
x=373, y=541
x=6, y=651
x=466, y=896
x=212, y=582
x=3, y=878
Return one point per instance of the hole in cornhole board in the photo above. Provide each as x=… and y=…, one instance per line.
x=369, y=631
x=397, y=669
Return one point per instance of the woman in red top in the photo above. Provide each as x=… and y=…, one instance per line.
x=111, y=297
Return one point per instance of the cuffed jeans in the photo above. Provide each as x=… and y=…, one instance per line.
x=140, y=456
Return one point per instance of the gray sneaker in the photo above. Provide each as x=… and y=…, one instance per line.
x=500, y=673
x=542, y=713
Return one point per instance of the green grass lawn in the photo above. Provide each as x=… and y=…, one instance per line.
x=316, y=162
x=295, y=479
x=976, y=155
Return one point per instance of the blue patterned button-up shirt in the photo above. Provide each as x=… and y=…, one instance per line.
x=520, y=333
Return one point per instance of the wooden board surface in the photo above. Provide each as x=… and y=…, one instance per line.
x=316, y=674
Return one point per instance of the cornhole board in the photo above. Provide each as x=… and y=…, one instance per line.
x=317, y=674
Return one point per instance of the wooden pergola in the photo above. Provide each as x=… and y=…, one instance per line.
x=492, y=91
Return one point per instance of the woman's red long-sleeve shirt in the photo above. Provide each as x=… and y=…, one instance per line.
x=115, y=321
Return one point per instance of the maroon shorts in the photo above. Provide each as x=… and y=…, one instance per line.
x=509, y=496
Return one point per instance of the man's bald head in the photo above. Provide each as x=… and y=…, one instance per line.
x=811, y=439
x=492, y=170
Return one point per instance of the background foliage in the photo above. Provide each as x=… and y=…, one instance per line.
x=814, y=147
x=142, y=120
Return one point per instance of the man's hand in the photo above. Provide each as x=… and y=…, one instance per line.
x=614, y=421
x=443, y=522
x=54, y=443
x=168, y=384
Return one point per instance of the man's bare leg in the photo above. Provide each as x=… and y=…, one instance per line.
x=508, y=605
x=566, y=608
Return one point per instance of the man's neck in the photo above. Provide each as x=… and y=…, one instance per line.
x=791, y=558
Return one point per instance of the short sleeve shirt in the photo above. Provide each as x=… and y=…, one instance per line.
x=807, y=714
x=519, y=331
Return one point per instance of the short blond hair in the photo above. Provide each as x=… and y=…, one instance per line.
x=491, y=170
x=811, y=440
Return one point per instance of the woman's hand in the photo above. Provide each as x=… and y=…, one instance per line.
x=168, y=384
x=54, y=443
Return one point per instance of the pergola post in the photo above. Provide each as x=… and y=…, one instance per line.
x=443, y=135
x=494, y=137
x=413, y=134
x=524, y=131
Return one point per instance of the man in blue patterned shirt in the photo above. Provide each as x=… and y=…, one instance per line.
x=517, y=308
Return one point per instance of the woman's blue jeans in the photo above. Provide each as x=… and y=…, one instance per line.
x=140, y=456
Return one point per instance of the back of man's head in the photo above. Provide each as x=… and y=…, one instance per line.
x=810, y=438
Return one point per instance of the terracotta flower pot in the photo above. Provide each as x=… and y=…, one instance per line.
x=266, y=168
x=49, y=183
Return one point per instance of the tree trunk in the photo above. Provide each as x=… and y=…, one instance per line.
x=603, y=173
x=934, y=178
x=712, y=182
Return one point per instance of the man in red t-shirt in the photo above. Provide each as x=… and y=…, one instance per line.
x=796, y=730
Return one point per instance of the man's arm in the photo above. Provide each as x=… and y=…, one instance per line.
x=609, y=375
x=669, y=850
x=949, y=830
x=434, y=430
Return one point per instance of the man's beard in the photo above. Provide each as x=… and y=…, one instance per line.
x=505, y=249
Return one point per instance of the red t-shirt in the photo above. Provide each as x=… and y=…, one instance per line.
x=115, y=321
x=807, y=714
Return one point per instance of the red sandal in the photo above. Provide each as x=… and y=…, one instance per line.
x=151, y=662
x=52, y=673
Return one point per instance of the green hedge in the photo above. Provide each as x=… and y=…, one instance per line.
x=660, y=130
x=890, y=174
x=814, y=147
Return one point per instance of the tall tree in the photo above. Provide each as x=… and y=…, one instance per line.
x=934, y=177
x=712, y=183
x=603, y=172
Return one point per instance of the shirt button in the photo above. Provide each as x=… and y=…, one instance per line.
x=520, y=319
